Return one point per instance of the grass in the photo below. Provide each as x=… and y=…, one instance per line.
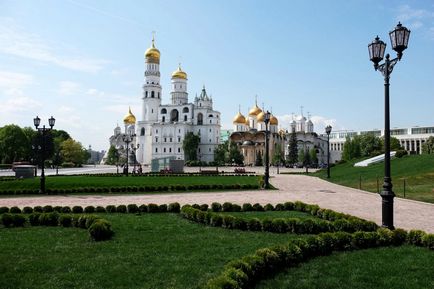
x=148, y=251
x=271, y=214
x=67, y=182
x=417, y=171
x=405, y=267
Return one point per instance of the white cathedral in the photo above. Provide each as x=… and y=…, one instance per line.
x=160, y=132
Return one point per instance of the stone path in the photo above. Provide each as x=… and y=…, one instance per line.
x=408, y=214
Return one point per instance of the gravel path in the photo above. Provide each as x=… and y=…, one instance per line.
x=408, y=214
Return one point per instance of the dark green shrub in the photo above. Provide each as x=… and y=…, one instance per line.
x=90, y=219
x=400, y=153
x=291, y=224
x=100, y=209
x=258, y=207
x=279, y=225
x=174, y=208
x=38, y=209
x=247, y=207
x=15, y=210
x=153, y=208
x=49, y=219
x=289, y=206
x=7, y=220
x=110, y=209
x=399, y=236
x=342, y=225
x=223, y=282
x=227, y=207
x=47, y=209
x=240, y=278
x=89, y=209
x=227, y=221
x=363, y=240
x=27, y=210
x=121, y=209
x=216, y=207
x=239, y=223
x=414, y=237
x=428, y=241
x=101, y=230
x=34, y=219
x=343, y=241
x=279, y=207
x=143, y=208
x=269, y=207
x=4, y=210
x=385, y=237
x=270, y=260
x=77, y=210
x=300, y=206
x=66, y=210
x=236, y=208
x=216, y=220
x=132, y=208
x=196, y=206
x=267, y=224
x=57, y=209
x=65, y=220
x=162, y=208
x=204, y=207
x=254, y=224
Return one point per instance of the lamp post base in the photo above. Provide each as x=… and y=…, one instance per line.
x=387, y=209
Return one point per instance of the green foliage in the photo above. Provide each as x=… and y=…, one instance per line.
x=293, y=149
x=190, y=145
x=49, y=219
x=221, y=153
x=14, y=144
x=428, y=146
x=77, y=210
x=15, y=210
x=235, y=155
x=7, y=219
x=301, y=156
x=112, y=156
x=65, y=220
x=278, y=156
x=121, y=209
x=73, y=152
x=428, y=241
x=89, y=209
x=313, y=156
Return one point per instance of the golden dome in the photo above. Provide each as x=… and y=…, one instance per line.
x=239, y=119
x=152, y=54
x=255, y=110
x=247, y=122
x=273, y=120
x=129, y=118
x=179, y=73
x=261, y=116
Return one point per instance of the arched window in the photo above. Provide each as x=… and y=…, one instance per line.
x=185, y=110
x=199, y=118
x=152, y=94
x=163, y=111
x=174, y=115
x=210, y=115
x=142, y=131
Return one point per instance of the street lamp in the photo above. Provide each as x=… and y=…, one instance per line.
x=267, y=173
x=328, y=130
x=43, y=132
x=399, y=39
x=127, y=138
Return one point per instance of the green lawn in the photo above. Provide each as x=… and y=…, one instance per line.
x=418, y=172
x=271, y=214
x=405, y=267
x=148, y=251
x=67, y=182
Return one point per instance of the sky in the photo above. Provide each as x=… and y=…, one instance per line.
x=83, y=61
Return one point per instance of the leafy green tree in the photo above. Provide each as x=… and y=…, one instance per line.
x=73, y=152
x=307, y=160
x=301, y=156
x=351, y=148
x=234, y=154
x=313, y=156
x=428, y=146
x=258, y=160
x=31, y=135
x=394, y=144
x=14, y=144
x=278, y=155
x=370, y=145
x=293, y=148
x=221, y=152
x=112, y=156
x=190, y=145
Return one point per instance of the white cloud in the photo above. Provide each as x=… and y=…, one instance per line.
x=119, y=109
x=19, y=104
x=69, y=88
x=414, y=18
x=15, y=41
x=13, y=80
x=95, y=92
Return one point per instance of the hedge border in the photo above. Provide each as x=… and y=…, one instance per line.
x=332, y=221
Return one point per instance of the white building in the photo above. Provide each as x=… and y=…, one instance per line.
x=161, y=130
x=411, y=139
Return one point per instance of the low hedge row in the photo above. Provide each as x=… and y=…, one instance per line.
x=248, y=270
x=276, y=225
x=151, y=174
x=132, y=189
x=131, y=208
x=99, y=229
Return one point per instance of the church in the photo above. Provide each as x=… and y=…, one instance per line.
x=161, y=129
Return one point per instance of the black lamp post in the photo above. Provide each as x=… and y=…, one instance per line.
x=399, y=40
x=127, y=138
x=267, y=165
x=43, y=131
x=328, y=130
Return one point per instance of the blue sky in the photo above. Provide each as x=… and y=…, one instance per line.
x=82, y=61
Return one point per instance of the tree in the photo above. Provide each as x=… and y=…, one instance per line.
x=234, y=154
x=190, y=145
x=370, y=145
x=394, y=144
x=14, y=144
x=73, y=152
x=112, y=156
x=351, y=148
x=293, y=148
x=313, y=156
x=221, y=152
x=278, y=155
x=307, y=160
x=301, y=156
x=258, y=160
x=428, y=146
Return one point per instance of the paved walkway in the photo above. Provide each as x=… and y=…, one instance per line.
x=408, y=214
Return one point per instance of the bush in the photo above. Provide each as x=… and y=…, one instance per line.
x=66, y=210
x=216, y=220
x=279, y=207
x=204, y=207
x=110, y=209
x=300, y=206
x=47, y=209
x=34, y=219
x=153, y=208
x=121, y=209
x=15, y=210
x=132, y=208
x=399, y=236
x=143, y=208
x=414, y=237
x=7, y=220
x=227, y=207
x=101, y=230
x=254, y=224
x=100, y=209
x=174, y=208
x=65, y=220
x=90, y=219
x=57, y=209
x=27, y=210
x=162, y=208
x=216, y=207
x=289, y=206
x=400, y=153
x=89, y=209
x=428, y=241
x=258, y=207
x=385, y=237
x=38, y=209
x=77, y=210
x=269, y=207
x=279, y=225
x=236, y=208
x=4, y=210
x=247, y=207
x=49, y=219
